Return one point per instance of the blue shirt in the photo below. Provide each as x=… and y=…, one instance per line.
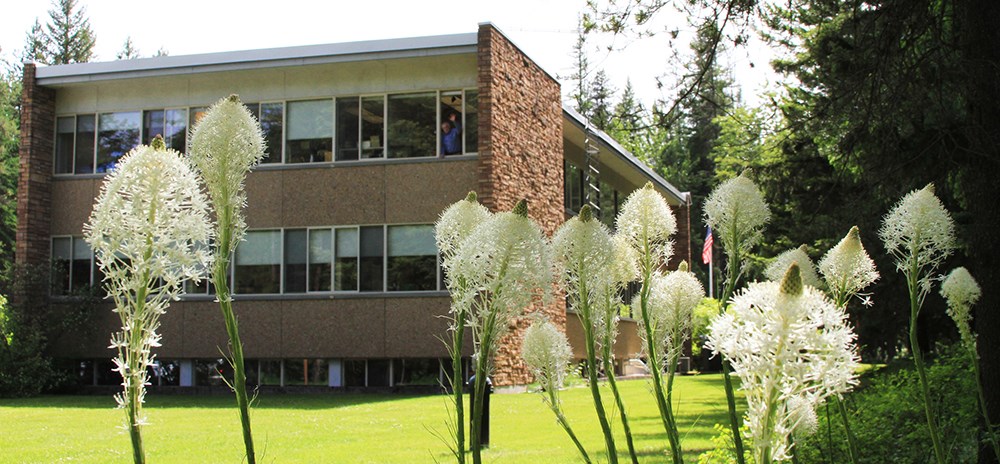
x=451, y=143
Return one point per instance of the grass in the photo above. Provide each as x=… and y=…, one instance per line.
x=360, y=428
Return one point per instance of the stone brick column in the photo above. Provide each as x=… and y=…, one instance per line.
x=520, y=156
x=34, y=194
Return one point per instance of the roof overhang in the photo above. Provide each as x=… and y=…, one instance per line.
x=611, y=154
x=411, y=47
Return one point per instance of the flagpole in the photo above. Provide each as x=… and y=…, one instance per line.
x=711, y=273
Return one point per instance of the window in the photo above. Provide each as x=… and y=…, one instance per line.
x=370, y=263
x=355, y=373
x=170, y=124
x=310, y=131
x=295, y=261
x=212, y=372
x=307, y=372
x=320, y=259
x=271, y=117
x=263, y=371
x=65, y=139
x=117, y=134
x=411, y=127
x=416, y=371
x=378, y=373
x=574, y=186
x=360, y=126
x=346, y=260
x=459, y=128
x=412, y=258
x=258, y=263
x=72, y=265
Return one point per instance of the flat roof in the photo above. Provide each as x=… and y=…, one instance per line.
x=615, y=148
x=254, y=59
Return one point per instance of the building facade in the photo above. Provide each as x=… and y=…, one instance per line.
x=338, y=282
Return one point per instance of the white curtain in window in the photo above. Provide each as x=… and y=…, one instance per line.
x=259, y=247
x=412, y=240
x=310, y=119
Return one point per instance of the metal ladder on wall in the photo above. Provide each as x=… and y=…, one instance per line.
x=591, y=175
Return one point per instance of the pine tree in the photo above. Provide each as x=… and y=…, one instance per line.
x=35, y=48
x=129, y=52
x=69, y=38
x=581, y=71
x=601, y=94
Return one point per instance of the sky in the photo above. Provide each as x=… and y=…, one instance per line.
x=545, y=29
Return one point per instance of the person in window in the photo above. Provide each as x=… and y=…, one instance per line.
x=451, y=135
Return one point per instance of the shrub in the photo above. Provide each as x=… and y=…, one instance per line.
x=888, y=419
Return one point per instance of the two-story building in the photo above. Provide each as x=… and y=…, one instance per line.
x=338, y=282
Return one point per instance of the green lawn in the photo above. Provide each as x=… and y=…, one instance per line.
x=346, y=428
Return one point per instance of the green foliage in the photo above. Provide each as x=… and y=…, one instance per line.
x=703, y=314
x=722, y=451
x=887, y=415
x=28, y=324
x=10, y=119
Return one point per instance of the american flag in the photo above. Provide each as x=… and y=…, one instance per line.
x=706, y=251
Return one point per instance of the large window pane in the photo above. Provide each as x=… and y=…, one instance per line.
x=272, y=117
x=295, y=261
x=152, y=125
x=354, y=373
x=117, y=134
x=451, y=123
x=412, y=262
x=310, y=131
x=306, y=372
x=371, y=259
x=175, y=129
x=471, y=128
x=258, y=263
x=65, y=135
x=372, y=126
x=62, y=256
x=320, y=259
x=212, y=372
x=412, y=127
x=421, y=371
x=378, y=373
x=574, y=187
x=81, y=265
x=85, y=136
x=346, y=260
x=348, y=128
x=607, y=203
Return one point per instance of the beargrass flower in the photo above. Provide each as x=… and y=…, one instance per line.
x=547, y=353
x=149, y=230
x=962, y=292
x=457, y=221
x=776, y=270
x=505, y=265
x=646, y=220
x=225, y=144
x=672, y=300
x=737, y=212
x=847, y=268
x=788, y=343
x=584, y=253
x=920, y=234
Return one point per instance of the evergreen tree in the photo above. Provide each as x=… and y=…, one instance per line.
x=128, y=52
x=10, y=118
x=68, y=37
x=602, y=106
x=35, y=48
x=581, y=74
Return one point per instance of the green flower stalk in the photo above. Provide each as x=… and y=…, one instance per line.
x=225, y=144
x=737, y=212
x=454, y=226
x=919, y=233
x=583, y=252
x=791, y=347
x=149, y=229
x=506, y=267
x=672, y=300
x=645, y=224
x=847, y=270
x=962, y=292
x=546, y=351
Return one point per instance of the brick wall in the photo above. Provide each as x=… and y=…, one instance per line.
x=520, y=156
x=35, y=177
